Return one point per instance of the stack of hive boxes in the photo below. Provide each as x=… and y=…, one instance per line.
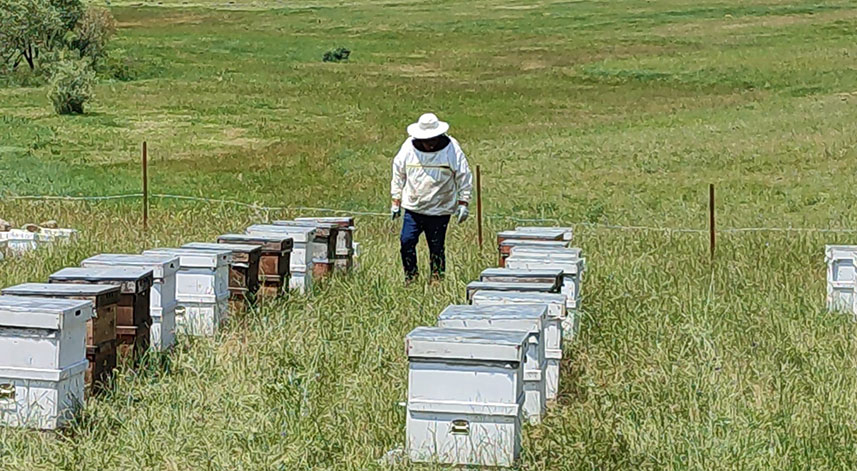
x=202, y=288
x=162, y=299
x=133, y=321
x=323, y=247
x=275, y=257
x=301, y=266
x=243, y=271
x=841, y=278
x=100, y=329
x=42, y=360
x=490, y=365
x=18, y=241
x=345, y=249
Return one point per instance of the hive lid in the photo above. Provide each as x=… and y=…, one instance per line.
x=519, y=316
x=521, y=273
x=341, y=221
x=95, y=274
x=541, y=250
x=161, y=265
x=569, y=266
x=196, y=258
x=520, y=296
x=234, y=248
x=300, y=234
x=306, y=223
x=502, y=286
x=466, y=344
x=32, y=312
x=59, y=289
x=269, y=242
x=560, y=244
x=552, y=234
x=567, y=231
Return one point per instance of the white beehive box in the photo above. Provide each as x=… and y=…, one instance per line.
x=203, y=275
x=525, y=275
x=162, y=299
x=529, y=318
x=465, y=395
x=19, y=241
x=555, y=326
x=546, y=251
x=572, y=272
x=301, y=261
x=841, y=278
x=201, y=319
x=567, y=235
x=202, y=288
x=42, y=360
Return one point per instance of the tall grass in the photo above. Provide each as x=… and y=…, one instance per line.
x=616, y=112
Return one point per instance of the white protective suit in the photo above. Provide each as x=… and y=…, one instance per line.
x=431, y=183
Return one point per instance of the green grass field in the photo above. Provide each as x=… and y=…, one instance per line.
x=612, y=112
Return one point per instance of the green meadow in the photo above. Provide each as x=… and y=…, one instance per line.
x=593, y=113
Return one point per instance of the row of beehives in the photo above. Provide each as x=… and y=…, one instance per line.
x=493, y=363
x=61, y=340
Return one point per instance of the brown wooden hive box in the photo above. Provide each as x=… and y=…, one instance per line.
x=274, y=259
x=133, y=318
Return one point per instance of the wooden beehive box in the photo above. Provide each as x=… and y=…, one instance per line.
x=162, y=299
x=345, y=235
x=274, y=261
x=509, y=275
x=474, y=286
x=559, y=324
x=244, y=269
x=42, y=360
x=465, y=395
x=301, y=262
x=100, y=329
x=506, y=247
x=133, y=319
x=530, y=318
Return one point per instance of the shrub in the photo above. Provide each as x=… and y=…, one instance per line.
x=336, y=55
x=71, y=85
x=92, y=33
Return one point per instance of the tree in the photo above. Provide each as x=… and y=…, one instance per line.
x=28, y=27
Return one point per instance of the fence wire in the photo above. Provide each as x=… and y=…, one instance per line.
x=512, y=218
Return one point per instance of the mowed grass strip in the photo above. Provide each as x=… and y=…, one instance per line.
x=617, y=112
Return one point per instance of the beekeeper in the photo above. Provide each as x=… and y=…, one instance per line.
x=431, y=181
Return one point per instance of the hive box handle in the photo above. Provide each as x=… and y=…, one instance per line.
x=460, y=427
x=7, y=391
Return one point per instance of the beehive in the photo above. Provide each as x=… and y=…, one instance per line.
x=323, y=245
x=100, y=329
x=133, y=320
x=301, y=260
x=42, y=360
x=202, y=288
x=344, y=255
x=474, y=286
x=243, y=271
x=162, y=299
x=274, y=261
x=572, y=270
x=530, y=318
x=465, y=395
x=530, y=237
x=558, y=324
x=841, y=278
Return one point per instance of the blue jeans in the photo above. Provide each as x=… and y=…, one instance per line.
x=434, y=227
